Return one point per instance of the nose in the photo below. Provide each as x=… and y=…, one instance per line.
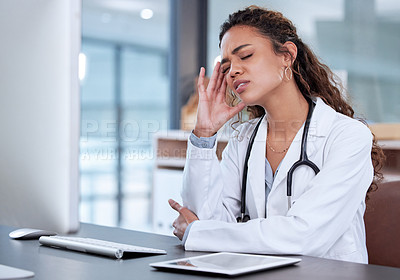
x=235, y=70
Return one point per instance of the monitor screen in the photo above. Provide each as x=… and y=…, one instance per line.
x=40, y=114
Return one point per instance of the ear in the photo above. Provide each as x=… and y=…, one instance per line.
x=292, y=48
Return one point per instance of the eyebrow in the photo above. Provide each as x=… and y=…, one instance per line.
x=235, y=51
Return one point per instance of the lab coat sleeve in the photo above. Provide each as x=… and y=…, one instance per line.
x=211, y=188
x=317, y=219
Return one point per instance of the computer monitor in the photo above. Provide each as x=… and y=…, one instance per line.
x=39, y=114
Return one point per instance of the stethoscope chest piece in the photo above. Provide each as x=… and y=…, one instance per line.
x=243, y=218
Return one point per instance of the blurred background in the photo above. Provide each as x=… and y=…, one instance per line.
x=138, y=65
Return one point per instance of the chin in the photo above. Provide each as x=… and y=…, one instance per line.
x=249, y=101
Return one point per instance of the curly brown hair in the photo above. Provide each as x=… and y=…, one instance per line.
x=313, y=78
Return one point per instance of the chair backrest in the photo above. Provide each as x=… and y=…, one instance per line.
x=382, y=223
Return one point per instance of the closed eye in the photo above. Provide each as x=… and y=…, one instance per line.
x=247, y=56
x=225, y=70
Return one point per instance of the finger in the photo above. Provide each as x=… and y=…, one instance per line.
x=178, y=233
x=187, y=216
x=200, y=81
x=220, y=78
x=214, y=77
x=175, y=205
x=222, y=90
x=234, y=110
x=224, y=84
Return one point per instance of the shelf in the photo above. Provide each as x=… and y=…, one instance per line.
x=170, y=147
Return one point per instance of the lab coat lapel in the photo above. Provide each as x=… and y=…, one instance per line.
x=256, y=174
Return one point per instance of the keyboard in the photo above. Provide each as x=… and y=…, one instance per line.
x=96, y=246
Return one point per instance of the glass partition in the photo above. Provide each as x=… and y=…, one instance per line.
x=359, y=40
x=124, y=87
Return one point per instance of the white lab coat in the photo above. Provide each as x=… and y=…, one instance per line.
x=326, y=217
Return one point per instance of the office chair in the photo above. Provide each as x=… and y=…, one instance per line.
x=382, y=223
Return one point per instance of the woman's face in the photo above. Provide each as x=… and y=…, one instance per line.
x=251, y=67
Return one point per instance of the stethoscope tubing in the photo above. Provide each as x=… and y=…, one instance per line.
x=302, y=161
x=245, y=169
x=303, y=154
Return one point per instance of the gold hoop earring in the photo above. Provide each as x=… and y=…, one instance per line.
x=286, y=74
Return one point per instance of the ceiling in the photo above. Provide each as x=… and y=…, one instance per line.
x=119, y=20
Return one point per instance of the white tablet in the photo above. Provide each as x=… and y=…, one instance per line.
x=9, y=272
x=226, y=263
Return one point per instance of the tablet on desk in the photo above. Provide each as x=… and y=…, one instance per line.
x=226, y=263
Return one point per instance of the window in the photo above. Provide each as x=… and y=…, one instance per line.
x=125, y=100
x=357, y=39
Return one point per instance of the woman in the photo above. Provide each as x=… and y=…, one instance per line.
x=272, y=71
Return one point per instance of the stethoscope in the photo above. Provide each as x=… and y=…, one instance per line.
x=302, y=161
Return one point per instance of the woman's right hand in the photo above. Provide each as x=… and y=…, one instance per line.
x=212, y=111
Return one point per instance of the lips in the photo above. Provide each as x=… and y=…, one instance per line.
x=240, y=85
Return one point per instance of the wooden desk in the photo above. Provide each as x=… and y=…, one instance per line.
x=50, y=263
